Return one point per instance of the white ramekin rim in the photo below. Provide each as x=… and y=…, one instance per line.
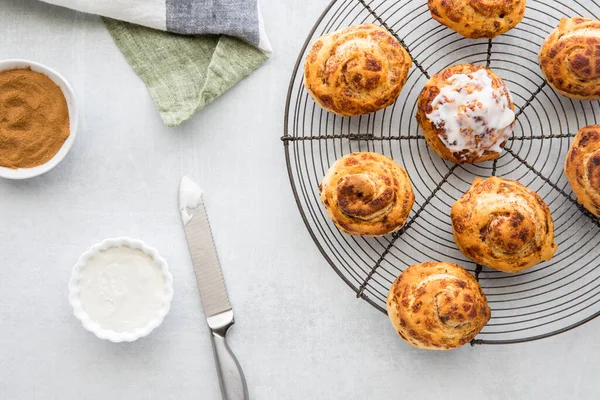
x=88, y=322
x=63, y=84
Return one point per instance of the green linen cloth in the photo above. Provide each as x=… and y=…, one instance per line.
x=184, y=73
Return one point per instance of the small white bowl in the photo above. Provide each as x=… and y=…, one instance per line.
x=25, y=173
x=93, y=326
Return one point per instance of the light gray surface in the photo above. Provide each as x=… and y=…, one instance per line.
x=300, y=332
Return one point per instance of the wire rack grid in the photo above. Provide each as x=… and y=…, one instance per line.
x=546, y=300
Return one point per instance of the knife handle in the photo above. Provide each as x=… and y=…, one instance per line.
x=231, y=376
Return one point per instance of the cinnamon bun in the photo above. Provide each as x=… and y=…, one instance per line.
x=570, y=58
x=478, y=18
x=582, y=168
x=503, y=225
x=367, y=194
x=437, y=306
x=357, y=70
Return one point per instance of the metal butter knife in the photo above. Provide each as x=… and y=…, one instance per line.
x=219, y=313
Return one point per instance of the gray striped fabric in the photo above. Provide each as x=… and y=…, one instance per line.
x=238, y=18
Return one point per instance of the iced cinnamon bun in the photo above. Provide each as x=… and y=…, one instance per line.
x=466, y=113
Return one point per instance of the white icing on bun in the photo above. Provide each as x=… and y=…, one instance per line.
x=467, y=114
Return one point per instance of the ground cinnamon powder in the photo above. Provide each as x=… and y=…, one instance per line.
x=34, y=118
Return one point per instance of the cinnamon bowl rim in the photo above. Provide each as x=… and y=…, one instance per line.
x=67, y=91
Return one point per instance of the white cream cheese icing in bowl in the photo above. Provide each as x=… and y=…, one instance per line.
x=121, y=289
x=475, y=116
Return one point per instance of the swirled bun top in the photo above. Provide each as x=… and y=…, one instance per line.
x=504, y=225
x=437, y=306
x=357, y=70
x=582, y=168
x=367, y=194
x=478, y=18
x=466, y=113
x=570, y=58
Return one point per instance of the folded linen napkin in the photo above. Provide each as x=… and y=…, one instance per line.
x=184, y=73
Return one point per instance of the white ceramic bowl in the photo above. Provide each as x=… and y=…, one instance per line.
x=25, y=173
x=93, y=326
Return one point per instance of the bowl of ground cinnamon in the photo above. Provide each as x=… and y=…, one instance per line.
x=38, y=119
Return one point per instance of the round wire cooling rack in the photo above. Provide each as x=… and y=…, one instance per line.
x=552, y=297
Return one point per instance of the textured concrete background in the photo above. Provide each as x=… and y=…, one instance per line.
x=300, y=332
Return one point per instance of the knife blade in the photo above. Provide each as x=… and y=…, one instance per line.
x=217, y=309
x=206, y=261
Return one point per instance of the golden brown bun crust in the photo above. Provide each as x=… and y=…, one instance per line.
x=357, y=70
x=582, y=167
x=503, y=225
x=367, y=194
x=570, y=58
x=478, y=18
x=432, y=133
x=437, y=306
